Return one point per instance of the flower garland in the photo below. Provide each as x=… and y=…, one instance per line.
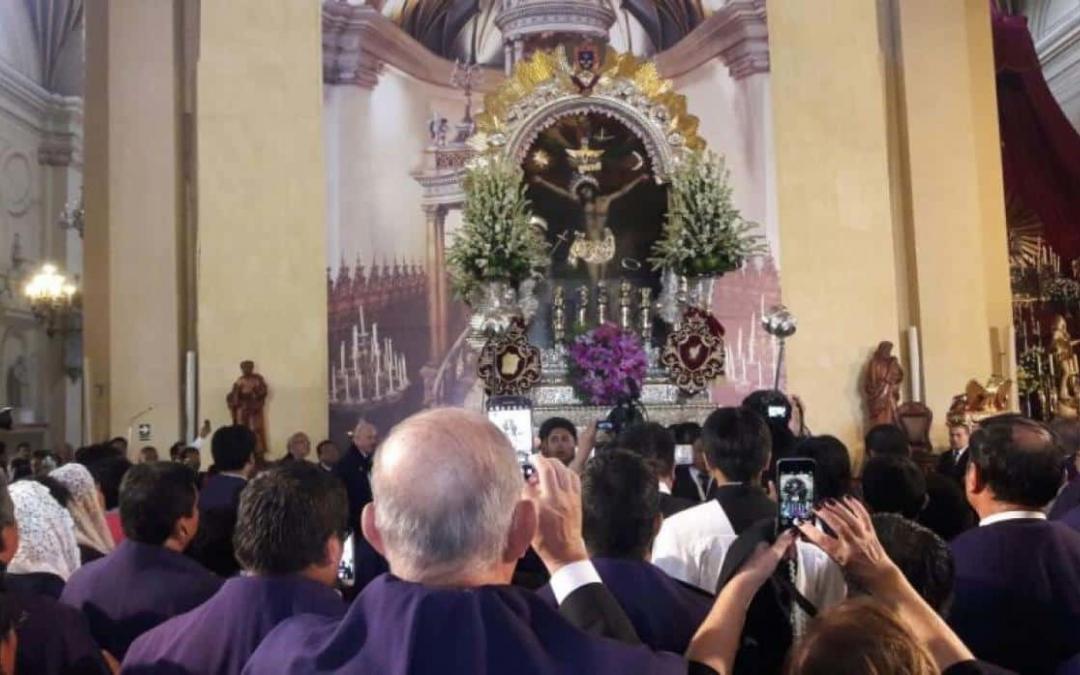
x=498, y=240
x=607, y=365
x=704, y=233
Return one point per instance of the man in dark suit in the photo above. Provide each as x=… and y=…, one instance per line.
x=1017, y=601
x=233, y=449
x=621, y=508
x=354, y=471
x=656, y=445
x=953, y=463
x=692, y=481
x=946, y=511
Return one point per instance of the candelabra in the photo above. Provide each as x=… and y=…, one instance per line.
x=371, y=371
x=53, y=298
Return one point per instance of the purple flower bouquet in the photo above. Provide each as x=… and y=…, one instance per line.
x=607, y=364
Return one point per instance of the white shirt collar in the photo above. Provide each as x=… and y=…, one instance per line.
x=1012, y=515
x=663, y=487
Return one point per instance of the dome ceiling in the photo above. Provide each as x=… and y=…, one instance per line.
x=465, y=29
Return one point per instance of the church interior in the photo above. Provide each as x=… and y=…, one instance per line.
x=737, y=281
x=211, y=188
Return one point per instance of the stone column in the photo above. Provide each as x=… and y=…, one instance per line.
x=60, y=153
x=438, y=293
x=132, y=295
x=834, y=204
x=952, y=190
x=262, y=211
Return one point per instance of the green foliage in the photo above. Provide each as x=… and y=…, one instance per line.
x=498, y=240
x=704, y=233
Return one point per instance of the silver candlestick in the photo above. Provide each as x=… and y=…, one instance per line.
x=601, y=303
x=645, y=315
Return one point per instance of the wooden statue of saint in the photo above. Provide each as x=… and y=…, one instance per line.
x=246, y=402
x=881, y=388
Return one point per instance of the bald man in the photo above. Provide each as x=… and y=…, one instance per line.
x=452, y=515
x=354, y=470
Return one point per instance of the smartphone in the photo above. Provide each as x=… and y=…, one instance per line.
x=794, y=492
x=777, y=411
x=346, y=571
x=514, y=416
x=684, y=454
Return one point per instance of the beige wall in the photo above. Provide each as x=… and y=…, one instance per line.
x=889, y=196
x=261, y=213
x=834, y=205
x=132, y=336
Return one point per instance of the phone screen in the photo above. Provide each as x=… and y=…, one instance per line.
x=777, y=411
x=684, y=454
x=795, y=492
x=346, y=571
x=513, y=415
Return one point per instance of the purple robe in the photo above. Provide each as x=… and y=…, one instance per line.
x=665, y=612
x=1017, y=601
x=219, y=635
x=53, y=639
x=135, y=588
x=396, y=628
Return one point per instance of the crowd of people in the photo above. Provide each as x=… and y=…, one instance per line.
x=654, y=550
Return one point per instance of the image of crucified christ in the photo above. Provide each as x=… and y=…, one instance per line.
x=596, y=245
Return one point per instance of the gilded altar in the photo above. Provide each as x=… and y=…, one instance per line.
x=597, y=135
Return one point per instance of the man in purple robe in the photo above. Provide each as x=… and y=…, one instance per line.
x=289, y=538
x=53, y=639
x=621, y=506
x=452, y=515
x=1017, y=592
x=147, y=578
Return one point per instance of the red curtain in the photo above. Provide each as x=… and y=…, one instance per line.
x=1040, y=150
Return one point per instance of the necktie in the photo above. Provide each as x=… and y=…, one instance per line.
x=703, y=481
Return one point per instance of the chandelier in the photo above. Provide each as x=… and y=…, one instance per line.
x=52, y=297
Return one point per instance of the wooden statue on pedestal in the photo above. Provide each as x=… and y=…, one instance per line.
x=881, y=387
x=246, y=402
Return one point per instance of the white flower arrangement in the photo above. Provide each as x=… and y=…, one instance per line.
x=704, y=233
x=499, y=239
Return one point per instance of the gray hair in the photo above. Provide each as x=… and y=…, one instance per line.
x=445, y=484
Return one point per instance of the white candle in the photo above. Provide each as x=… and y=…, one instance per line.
x=1010, y=364
x=333, y=387
x=342, y=359
x=914, y=364
x=87, y=403
x=355, y=341
x=189, y=395
x=404, y=369
x=348, y=395
x=363, y=330
x=375, y=333
x=738, y=344
x=378, y=393
x=753, y=337
x=360, y=387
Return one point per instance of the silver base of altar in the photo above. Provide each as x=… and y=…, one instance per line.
x=663, y=402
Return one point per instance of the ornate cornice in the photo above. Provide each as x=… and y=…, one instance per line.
x=520, y=19
x=358, y=41
x=57, y=118
x=737, y=33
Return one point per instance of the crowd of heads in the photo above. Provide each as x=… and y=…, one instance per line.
x=447, y=505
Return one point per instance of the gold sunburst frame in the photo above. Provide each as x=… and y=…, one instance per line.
x=542, y=90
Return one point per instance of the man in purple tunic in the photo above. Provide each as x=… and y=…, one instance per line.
x=147, y=579
x=53, y=639
x=289, y=538
x=621, y=505
x=452, y=515
x=1017, y=591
